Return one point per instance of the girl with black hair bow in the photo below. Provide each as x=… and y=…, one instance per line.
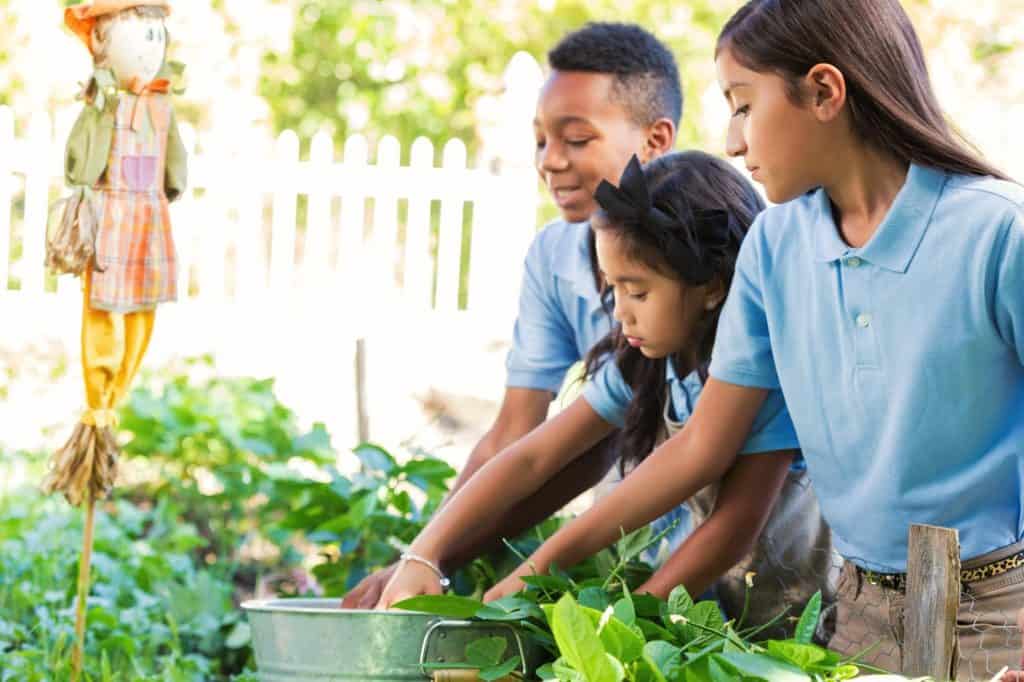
x=666, y=240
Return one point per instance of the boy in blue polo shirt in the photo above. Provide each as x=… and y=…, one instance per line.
x=614, y=91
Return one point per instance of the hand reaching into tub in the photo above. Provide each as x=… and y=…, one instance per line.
x=510, y=585
x=367, y=593
x=412, y=577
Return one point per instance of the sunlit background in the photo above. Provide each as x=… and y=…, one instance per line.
x=288, y=262
x=361, y=197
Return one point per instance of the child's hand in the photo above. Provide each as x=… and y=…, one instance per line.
x=367, y=593
x=410, y=579
x=510, y=585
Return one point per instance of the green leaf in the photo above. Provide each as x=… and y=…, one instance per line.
x=594, y=598
x=647, y=605
x=547, y=582
x=679, y=601
x=433, y=471
x=706, y=614
x=486, y=652
x=566, y=673
x=619, y=639
x=808, y=623
x=646, y=671
x=632, y=545
x=706, y=668
x=239, y=637
x=663, y=655
x=446, y=605
x=375, y=458
x=652, y=631
x=806, y=656
x=510, y=608
x=624, y=609
x=498, y=671
x=547, y=672
x=579, y=644
x=763, y=668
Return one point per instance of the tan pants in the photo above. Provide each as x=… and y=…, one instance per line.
x=987, y=634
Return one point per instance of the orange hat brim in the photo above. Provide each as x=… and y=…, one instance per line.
x=80, y=19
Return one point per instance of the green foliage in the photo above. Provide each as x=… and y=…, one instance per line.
x=229, y=456
x=154, y=613
x=648, y=640
x=361, y=520
x=420, y=69
x=215, y=448
x=213, y=467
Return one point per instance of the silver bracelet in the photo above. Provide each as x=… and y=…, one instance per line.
x=442, y=578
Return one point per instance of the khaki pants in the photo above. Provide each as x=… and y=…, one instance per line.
x=987, y=634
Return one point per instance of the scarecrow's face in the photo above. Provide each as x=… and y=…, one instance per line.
x=135, y=47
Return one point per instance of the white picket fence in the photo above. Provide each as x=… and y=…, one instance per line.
x=285, y=261
x=231, y=248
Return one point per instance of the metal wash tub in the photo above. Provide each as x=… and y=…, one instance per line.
x=312, y=639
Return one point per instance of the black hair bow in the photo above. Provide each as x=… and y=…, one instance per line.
x=694, y=244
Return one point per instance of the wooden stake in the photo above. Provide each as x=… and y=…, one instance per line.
x=83, y=587
x=933, y=598
x=362, y=416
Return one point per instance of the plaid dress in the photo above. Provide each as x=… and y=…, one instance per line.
x=136, y=266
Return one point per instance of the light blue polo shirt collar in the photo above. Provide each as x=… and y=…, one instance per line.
x=682, y=390
x=896, y=241
x=574, y=267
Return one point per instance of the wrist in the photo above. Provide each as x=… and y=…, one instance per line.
x=429, y=564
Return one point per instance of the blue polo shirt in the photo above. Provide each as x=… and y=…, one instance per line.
x=609, y=394
x=902, y=362
x=560, y=314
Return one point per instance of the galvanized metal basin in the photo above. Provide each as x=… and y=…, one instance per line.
x=312, y=639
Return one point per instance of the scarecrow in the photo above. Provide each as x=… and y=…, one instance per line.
x=124, y=162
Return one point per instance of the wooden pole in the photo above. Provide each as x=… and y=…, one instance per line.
x=362, y=417
x=933, y=598
x=77, y=653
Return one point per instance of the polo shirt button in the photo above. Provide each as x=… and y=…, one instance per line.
x=854, y=262
x=864, y=320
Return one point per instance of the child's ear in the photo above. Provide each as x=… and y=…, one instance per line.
x=714, y=294
x=826, y=88
x=661, y=138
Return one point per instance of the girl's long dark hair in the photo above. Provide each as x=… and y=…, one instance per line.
x=873, y=43
x=680, y=185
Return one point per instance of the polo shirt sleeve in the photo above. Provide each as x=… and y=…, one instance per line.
x=743, y=351
x=543, y=341
x=772, y=429
x=608, y=393
x=1009, y=285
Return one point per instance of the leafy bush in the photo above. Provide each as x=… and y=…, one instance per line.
x=211, y=466
x=213, y=447
x=359, y=519
x=153, y=612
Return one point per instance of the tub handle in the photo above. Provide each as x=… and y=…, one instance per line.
x=456, y=675
x=467, y=675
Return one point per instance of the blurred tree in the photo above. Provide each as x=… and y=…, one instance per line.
x=412, y=68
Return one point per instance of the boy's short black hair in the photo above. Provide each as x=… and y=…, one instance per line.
x=646, y=75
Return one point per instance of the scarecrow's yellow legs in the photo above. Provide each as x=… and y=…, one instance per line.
x=113, y=345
